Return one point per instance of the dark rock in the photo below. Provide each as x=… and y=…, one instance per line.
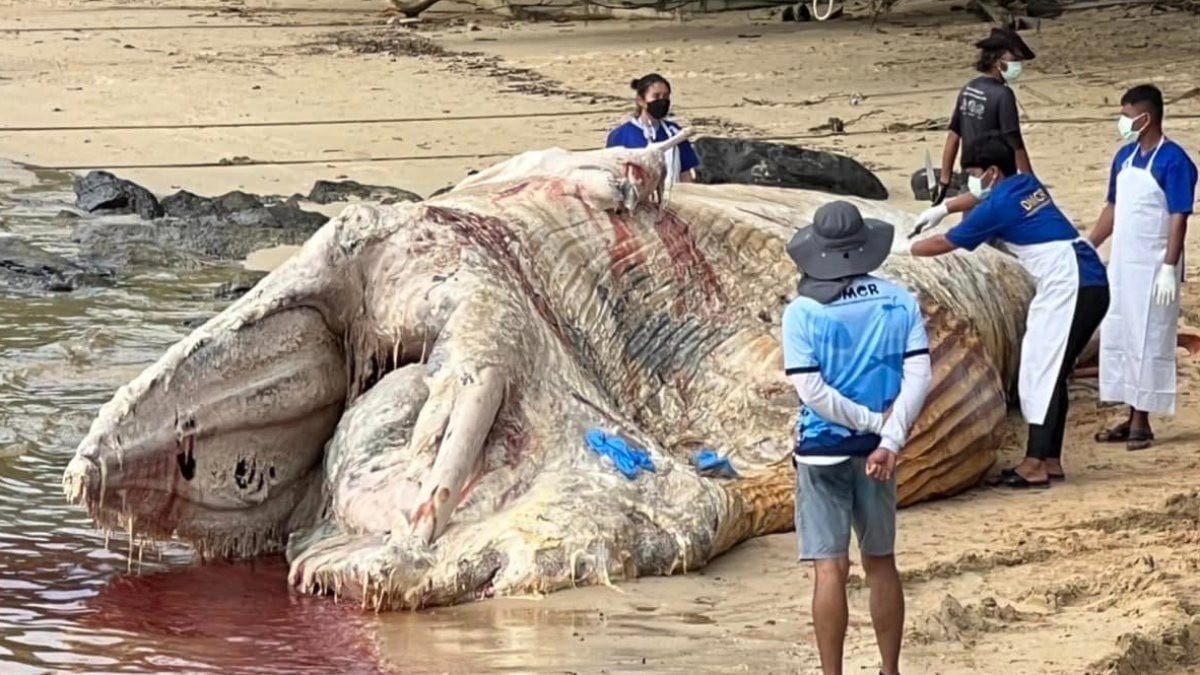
x=118, y=247
x=23, y=265
x=184, y=204
x=195, y=321
x=920, y=186
x=66, y=215
x=1044, y=9
x=226, y=227
x=102, y=192
x=241, y=209
x=175, y=243
x=232, y=202
x=238, y=286
x=327, y=192
x=731, y=160
x=294, y=217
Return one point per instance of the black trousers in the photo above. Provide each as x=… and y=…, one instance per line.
x=1046, y=439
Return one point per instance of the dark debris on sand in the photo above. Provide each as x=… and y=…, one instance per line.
x=388, y=41
x=401, y=42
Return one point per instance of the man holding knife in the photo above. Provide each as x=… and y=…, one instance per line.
x=1017, y=212
x=986, y=106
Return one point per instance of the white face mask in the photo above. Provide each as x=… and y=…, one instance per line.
x=1125, y=127
x=975, y=187
x=1012, y=70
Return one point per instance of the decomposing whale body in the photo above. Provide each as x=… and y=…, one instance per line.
x=403, y=405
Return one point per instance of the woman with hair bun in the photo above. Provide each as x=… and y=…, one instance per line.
x=649, y=125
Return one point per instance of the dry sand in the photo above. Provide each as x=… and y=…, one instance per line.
x=1096, y=575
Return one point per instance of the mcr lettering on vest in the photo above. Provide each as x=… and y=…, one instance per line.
x=860, y=291
x=857, y=344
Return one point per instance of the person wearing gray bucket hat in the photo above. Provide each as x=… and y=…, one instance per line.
x=855, y=348
x=839, y=246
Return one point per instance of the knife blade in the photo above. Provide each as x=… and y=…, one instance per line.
x=930, y=178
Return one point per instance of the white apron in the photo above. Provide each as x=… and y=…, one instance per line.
x=672, y=155
x=1138, y=337
x=1055, y=268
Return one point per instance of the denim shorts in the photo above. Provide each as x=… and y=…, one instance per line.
x=830, y=500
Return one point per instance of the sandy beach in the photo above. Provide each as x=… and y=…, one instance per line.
x=1100, y=574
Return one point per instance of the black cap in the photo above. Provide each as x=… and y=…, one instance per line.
x=1007, y=38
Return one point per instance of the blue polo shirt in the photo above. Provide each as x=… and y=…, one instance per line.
x=630, y=135
x=1021, y=211
x=1173, y=170
x=858, y=344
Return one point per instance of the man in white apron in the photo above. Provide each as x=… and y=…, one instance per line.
x=1016, y=212
x=1151, y=190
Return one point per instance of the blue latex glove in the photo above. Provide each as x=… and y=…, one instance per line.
x=629, y=461
x=710, y=464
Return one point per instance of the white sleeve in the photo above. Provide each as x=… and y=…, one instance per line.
x=831, y=405
x=918, y=375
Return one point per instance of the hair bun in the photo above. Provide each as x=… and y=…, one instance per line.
x=635, y=82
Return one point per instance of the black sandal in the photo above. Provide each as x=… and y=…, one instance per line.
x=1005, y=473
x=1016, y=480
x=1117, y=434
x=1139, y=440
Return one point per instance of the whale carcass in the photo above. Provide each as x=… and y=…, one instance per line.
x=402, y=406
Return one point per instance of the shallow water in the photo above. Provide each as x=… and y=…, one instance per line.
x=69, y=603
x=72, y=601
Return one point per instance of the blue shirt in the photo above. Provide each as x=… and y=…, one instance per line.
x=630, y=135
x=858, y=344
x=1173, y=170
x=1020, y=211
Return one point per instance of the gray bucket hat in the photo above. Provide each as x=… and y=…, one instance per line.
x=841, y=243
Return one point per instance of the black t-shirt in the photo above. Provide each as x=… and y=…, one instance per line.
x=986, y=105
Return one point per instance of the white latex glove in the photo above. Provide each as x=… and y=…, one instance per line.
x=1166, y=285
x=929, y=219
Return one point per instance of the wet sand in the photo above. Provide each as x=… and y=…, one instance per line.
x=1099, y=574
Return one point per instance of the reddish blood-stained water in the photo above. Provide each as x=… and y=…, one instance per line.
x=236, y=617
x=67, y=602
